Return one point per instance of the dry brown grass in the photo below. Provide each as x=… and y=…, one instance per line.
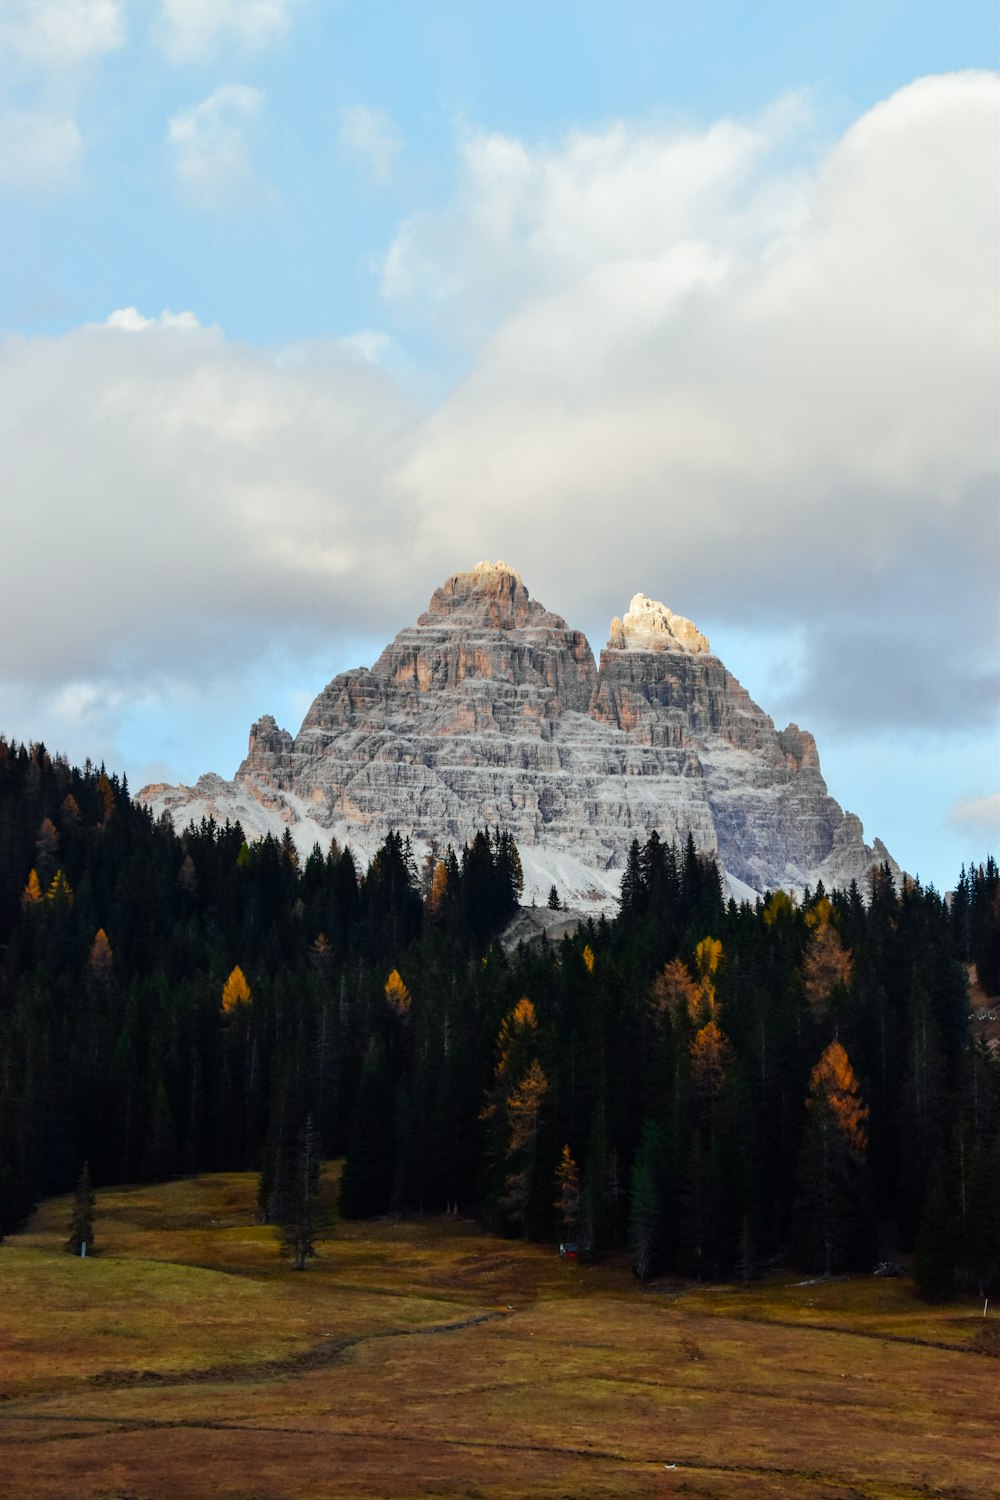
x=418, y=1359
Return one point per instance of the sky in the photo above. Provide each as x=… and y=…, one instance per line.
x=307, y=304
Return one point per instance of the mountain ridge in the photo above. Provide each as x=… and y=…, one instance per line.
x=490, y=709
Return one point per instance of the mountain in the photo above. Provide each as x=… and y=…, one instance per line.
x=491, y=710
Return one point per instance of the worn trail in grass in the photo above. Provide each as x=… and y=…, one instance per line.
x=427, y=1359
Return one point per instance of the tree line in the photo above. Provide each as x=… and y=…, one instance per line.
x=712, y=1086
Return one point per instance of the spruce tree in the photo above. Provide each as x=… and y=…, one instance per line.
x=302, y=1220
x=934, y=1260
x=81, y=1224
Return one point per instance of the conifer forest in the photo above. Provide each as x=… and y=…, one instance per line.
x=711, y=1087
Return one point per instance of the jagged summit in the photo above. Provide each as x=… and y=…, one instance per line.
x=651, y=626
x=491, y=710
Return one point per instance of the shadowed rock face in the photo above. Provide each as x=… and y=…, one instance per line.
x=490, y=710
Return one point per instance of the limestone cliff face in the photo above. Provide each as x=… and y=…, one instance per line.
x=490, y=710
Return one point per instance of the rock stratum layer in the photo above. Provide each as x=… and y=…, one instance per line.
x=490, y=710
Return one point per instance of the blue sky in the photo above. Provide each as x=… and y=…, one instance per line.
x=697, y=300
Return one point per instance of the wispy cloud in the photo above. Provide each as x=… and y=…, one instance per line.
x=61, y=33
x=38, y=152
x=195, y=30
x=131, y=320
x=370, y=139
x=978, y=816
x=211, y=156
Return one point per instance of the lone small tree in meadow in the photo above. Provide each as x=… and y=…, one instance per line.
x=81, y=1224
x=303, y=1219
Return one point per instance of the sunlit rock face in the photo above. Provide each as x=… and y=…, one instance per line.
x=490, y=710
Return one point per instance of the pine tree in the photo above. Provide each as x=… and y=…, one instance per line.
x=934, y=1260
x=645, y=1206
x=366, y=1181
x=81, y=1224
x=302, y=1221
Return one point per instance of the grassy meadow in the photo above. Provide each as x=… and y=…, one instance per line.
x=426, y=1358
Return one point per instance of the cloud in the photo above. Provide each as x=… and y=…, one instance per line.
x=209, y=140
x=38, y=152
x=370, y=138
x=194, y=30
x=529, y=222
x=131, y=320
x=978, y=816
x=192, y=503
x=61, y=33
x=767, y=395
x=369, y=344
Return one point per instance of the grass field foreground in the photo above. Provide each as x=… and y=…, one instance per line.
x=426, y=1358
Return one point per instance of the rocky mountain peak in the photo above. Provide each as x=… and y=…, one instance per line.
x=490, y=710
x=491, y=593
x=649, y=625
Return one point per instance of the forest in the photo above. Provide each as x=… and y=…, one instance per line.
x=712, y=1088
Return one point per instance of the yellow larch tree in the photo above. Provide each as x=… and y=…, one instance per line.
x=101, y=960
x=32, y=893
x=235, y=991
x=827, y=965
x=711, y=1055
x=674, y=993
x=567, y=1204
x=397, y=994
x=834, y=1089
x=60, y=892
x=439, y=889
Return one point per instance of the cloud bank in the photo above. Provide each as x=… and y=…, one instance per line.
x=762, y=392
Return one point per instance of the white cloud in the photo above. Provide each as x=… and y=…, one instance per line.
x=979, y=816
x=766, y=396
x=190, y=501
x=61, y=33
x=211, y=158
x=528, y=222
x=371, y=139
x=131, y=320
x=37, y=151
x=193, y=30
x=369, y=344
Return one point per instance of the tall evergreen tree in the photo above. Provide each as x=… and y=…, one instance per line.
x=302, y=1221
x=81, y=1224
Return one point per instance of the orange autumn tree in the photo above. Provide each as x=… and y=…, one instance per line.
x=827, y=967
x=439, y=889
x=512, y=1112
x=834, y=1228
x=397, y=995
x=834, y=1090
x=674, y=993
x=677, y=995
x=524, y=1108
x=60, y=892
x=101, y=959
x=567, y=1203
x=235, y=991
x=711, y=1055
